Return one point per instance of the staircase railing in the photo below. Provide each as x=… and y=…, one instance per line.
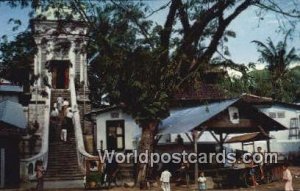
x=81, y=152
x=27, y=165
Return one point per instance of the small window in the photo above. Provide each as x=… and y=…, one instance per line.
x=281, y=114
x=272, y=114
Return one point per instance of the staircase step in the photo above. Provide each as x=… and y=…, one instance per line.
x=64, y=178
x=62, y=157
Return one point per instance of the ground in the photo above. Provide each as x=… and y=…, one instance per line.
x=78, y=186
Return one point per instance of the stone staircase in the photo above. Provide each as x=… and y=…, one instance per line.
x=62, y=161
x=62, y=157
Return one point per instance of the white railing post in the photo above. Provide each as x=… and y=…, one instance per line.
x=81, y=152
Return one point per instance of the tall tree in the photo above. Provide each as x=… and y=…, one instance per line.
x=16, y=58
x=278, y=60
x=141, y=63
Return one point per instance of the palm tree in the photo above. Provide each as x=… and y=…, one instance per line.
x=278, y=60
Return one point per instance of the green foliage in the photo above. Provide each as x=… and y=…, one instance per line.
x=16, y=58
x=278, y=60
x=142, y=63
x=128, y=68
x=94, y=177
x=259, y=82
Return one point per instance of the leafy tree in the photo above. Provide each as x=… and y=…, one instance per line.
x=141, y=63
x=295, y=73
x=258, y=82
x=16, y=58
x=278, y=60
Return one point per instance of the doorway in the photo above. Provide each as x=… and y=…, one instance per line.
x=115, y=138
x=60, y=74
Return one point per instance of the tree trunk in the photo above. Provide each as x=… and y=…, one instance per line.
x=145, y=146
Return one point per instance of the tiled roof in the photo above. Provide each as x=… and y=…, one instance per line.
x=205, y=92
x=254, y=99
x=249, y=137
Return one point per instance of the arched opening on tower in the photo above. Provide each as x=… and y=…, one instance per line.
x=60, y=73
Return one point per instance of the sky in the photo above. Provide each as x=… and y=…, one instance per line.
x=247, y=28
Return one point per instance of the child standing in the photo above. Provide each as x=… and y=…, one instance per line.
x=39, y=169
x=202, y=182
x=287, y=177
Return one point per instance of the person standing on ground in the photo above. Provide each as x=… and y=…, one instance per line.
x=252, y=172
x=39, y=169
x=202, y=182
x=262, y=175
x=287, y=178
x=165, y=180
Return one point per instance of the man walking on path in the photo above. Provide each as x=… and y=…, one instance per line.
x=165, y=180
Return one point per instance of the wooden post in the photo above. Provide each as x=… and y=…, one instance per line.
x=221, y=142
x=268, y=144
x=190, y=138
x=195, y=136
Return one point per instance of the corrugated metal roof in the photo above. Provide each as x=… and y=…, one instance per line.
x=10, y=88
x=12, y=113
x=187, y=119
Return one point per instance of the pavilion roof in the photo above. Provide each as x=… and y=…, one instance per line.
x=194, y=118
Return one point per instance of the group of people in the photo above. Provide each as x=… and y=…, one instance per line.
x=166, y=176
x=62, y=114
x=287, y=176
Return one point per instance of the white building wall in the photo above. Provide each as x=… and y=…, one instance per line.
x=131, y=129
x=36, y=112
x=282, y=143
x=289, y=113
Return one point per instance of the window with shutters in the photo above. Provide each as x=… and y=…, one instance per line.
x=281, y=114
x=272, y=114
x=115, y=135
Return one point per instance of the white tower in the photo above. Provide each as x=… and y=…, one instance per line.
x=61, y=53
